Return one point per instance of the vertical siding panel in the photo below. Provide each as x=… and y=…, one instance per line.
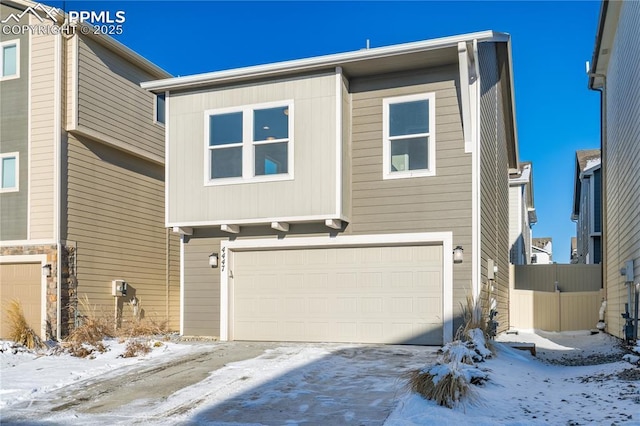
x=42, y=137
x=314, y=142
x=623, y=161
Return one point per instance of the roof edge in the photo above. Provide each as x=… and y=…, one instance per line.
x=103, y=39
x=319, y=61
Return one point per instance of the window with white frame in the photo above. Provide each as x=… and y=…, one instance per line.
x=9, y=59
x=250, y=143
x=9, y=167
x=409, y=136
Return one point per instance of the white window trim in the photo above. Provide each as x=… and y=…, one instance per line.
x=386, y=142
x=15, y=155
x=15, y=42
x=248, y=166
x=155, y=108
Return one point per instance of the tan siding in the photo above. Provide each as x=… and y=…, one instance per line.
x=111, y=102
x=494, y=185
x=115, y=217
x=313, y=192
x=70, y=79
x=426, y=204
x=201, y=288
x=42, y=154
x=622, y=163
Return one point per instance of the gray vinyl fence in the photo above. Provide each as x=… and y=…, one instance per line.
x=558, y=277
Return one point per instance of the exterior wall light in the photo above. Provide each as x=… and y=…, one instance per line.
x=46, y=270
x=213, y=260
x=458, y=254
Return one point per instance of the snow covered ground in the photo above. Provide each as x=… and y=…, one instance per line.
x=525, y=390
x=522, y=389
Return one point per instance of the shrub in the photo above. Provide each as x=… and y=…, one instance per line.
x=446, y=384
x=19, y=330
x=136, y=347
x=87, y=338
x=143, y=327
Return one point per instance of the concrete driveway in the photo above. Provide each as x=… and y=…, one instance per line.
x=241, y=383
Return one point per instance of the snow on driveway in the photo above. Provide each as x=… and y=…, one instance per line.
x=333, y=384
x=288, y=384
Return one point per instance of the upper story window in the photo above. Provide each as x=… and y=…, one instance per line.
x=160, y=108
x=9, y=59
x=251, y=143
x=409, y=136
x=9, y=172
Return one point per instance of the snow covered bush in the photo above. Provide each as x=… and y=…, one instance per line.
x=479, y=342
x=450, y=379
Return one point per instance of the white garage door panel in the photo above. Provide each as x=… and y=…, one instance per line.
x=365, y=294
x=22, y=282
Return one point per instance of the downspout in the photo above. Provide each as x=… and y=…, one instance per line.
x=167, y=257
x=604, y=167
x=57, y=129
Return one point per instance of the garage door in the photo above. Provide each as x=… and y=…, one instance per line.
x=23, y=282
x=366, y=294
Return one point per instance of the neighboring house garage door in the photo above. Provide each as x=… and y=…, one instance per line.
x=364, y=294
x=21, y=281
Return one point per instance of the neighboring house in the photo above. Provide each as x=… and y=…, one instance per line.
x=574, y=250
x=522, y=214
x=615, y=72
x=542, y=251
x=587, y=206
x=82, y=190
x=331, y=192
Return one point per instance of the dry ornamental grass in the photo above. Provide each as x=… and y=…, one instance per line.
x=19, y=330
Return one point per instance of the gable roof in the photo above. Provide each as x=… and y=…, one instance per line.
x=103, y=39
x=607, y=26
x=524, y=177
x=587, y=160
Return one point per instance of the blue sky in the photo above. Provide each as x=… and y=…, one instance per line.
x=551, y=41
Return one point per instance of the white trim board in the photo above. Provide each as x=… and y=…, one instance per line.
x=441, y=238
x=257, y=221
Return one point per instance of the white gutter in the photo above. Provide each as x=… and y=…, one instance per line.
x=327, y=61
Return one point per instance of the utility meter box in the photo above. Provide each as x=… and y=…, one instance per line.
x=118, y=288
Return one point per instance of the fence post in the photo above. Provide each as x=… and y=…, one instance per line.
x=559, y=302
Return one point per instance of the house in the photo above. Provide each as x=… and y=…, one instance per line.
x=82, y=190
x=542, y=251
x=573, y=256
x=587, y=208
x=323, y=199
x=615, y=72
x=522, y=214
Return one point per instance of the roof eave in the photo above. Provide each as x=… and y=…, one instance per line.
x=318, y=62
